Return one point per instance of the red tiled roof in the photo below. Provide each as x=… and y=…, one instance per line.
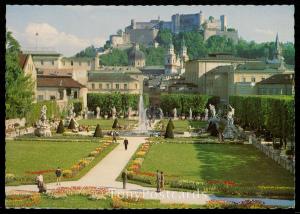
x=23, y=59
x=58, y=81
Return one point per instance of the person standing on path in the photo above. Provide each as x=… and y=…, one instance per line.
x=162, y=180
x=58, y=175
x=125, y=143
x=158, y=181
x=114, y=140
x=124, y=177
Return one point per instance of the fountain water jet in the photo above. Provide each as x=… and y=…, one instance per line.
x=142, y=116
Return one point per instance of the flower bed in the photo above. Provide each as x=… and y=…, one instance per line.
x=246, y=204
x=23, y=200
x=95, y=193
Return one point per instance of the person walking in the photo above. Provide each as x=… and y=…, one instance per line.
x=125, y=143
x=114, y=140
x=162, y=180
x=58, y=175
x=40, y=183
x=158, y=181
x=124, y=177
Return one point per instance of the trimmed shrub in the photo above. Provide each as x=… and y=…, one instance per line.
x=71, y=124
x=98, y=132
x=169, y=130
x=115, y=124
x=9, y=177
x=60, y=128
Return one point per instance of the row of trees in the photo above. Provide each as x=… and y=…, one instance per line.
x=120, y=101
x=183, y=103
x=269, y=113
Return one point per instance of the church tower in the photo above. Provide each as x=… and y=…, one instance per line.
x=183, y=52
x=277, y=51
x=170, y=61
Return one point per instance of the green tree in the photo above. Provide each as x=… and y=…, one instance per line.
x=116, y=58
x=115, y=124
x=98, y=132
x=288, y=52
x=87, y=52
x=169, y=130
x=60, y=128
x=164, y=37
x=18, y=86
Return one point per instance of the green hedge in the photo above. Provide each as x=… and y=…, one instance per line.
x=121, y=101
x=183, y=103
x=273, y=113
x=35, y=112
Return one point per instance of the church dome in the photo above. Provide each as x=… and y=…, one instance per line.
x=136, y=54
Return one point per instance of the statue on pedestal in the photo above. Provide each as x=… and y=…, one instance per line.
x=161, y=114
x=43, y=127
x=113, y=112
x=230, y=115
x=86, y=111
x=98, y=112
x=191, y=114
x=175, y=113
x=206, y=114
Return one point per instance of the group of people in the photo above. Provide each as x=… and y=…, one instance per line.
x=40, y=180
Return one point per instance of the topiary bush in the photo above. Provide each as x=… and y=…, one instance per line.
x=60, y=128
x=72, y=124
x=98, y=132
x=169, y=130
x=115, y=124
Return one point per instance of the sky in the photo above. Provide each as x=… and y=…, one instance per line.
x=70, y=29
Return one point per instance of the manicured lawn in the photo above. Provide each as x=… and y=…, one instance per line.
x=242, y=164
x=106, y=124
x=23, y=156
x=182, y=125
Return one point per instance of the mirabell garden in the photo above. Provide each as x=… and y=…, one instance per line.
x=257, y=164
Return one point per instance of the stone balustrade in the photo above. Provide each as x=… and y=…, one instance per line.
x=282, y=160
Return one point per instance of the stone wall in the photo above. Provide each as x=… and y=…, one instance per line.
x=275, y=155
x=10, y=123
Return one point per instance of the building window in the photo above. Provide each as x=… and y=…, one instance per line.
x=136, y=86
x=52, y=97
x=93, y=86
x=100, y=86
x=243, y=79
x=107, y=86
x=75, y=94
x=42, y=62
x=252, y=79
x=52, y=62
x=169, y=61
x=68, y=92
x=40, y=97
x=125, y=86
x=71, y=63
x=117, y=86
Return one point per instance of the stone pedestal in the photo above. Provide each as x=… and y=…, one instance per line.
x=43, y=131
x=231, y=132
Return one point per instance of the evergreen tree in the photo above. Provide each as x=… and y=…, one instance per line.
x=169, y=130
x=98, y=131
x=18, y=86
x=115, y=124
x=72, y=124
x=60, y=128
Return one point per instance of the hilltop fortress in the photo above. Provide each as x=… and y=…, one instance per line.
x=145, y=32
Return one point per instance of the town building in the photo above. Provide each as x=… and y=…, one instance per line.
x=27, y=65
x=175, y=64
x=278, y=84
x=136, y=58
x=60, y=88
x=109, y=79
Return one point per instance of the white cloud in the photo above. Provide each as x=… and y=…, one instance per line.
x=50, y=38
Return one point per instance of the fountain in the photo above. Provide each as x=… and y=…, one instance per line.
x=142, y=128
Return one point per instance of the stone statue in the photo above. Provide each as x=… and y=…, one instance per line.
x=175, y=113
x=230, y=115
x=43, y=127
x=71, y=110
x=97, y=112
x=129, y=112
x=161, y=114
x=212, y=110
x=86, y=111
x=191, y=114
x=206, y=114
x=113, y=112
